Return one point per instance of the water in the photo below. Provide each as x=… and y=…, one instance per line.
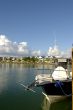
x=14, y=97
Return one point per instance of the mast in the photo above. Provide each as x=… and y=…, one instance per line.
x=55, y=42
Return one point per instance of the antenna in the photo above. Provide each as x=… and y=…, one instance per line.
x=55, y=41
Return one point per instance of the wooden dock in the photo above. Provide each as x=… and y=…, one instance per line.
x=54, y=98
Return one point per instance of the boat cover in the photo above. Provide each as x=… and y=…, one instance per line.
x=59, y=73
x=41, y=78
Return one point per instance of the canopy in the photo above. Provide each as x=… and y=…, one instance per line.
x=59, y=73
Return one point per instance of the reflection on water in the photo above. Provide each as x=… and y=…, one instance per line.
x=14, y=97
x=3, y=77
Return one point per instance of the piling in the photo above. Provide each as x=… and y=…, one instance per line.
x=72, y=78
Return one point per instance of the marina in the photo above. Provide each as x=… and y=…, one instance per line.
x=58, y=81
x=14, y=96
x=36, y=54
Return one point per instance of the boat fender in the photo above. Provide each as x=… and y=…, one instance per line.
x=58, y=84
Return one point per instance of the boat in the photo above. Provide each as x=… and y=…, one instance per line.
x=57, y=83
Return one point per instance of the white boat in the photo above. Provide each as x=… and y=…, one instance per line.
x=58, y=83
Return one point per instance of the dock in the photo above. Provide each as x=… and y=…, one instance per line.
x=54, y=98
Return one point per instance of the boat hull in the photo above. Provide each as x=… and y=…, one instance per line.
x=58, y=88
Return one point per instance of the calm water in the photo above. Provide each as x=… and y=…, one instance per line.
x=14, y=97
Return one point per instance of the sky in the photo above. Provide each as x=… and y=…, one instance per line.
x=32, y=27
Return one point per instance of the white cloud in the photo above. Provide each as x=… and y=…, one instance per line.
x=36, y=53
x=8, y=47
x=66, y=53
x=4, y=41
x=54, y=51
x=24, y=44
x=5, y=44
x=23, y=48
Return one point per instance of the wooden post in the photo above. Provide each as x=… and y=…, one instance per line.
x=72, y=77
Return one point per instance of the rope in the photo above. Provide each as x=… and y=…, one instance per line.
x=60, y=83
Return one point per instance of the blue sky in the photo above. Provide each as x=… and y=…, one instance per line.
x=38, y=22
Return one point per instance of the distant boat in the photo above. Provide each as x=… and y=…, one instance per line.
x=59, y=83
